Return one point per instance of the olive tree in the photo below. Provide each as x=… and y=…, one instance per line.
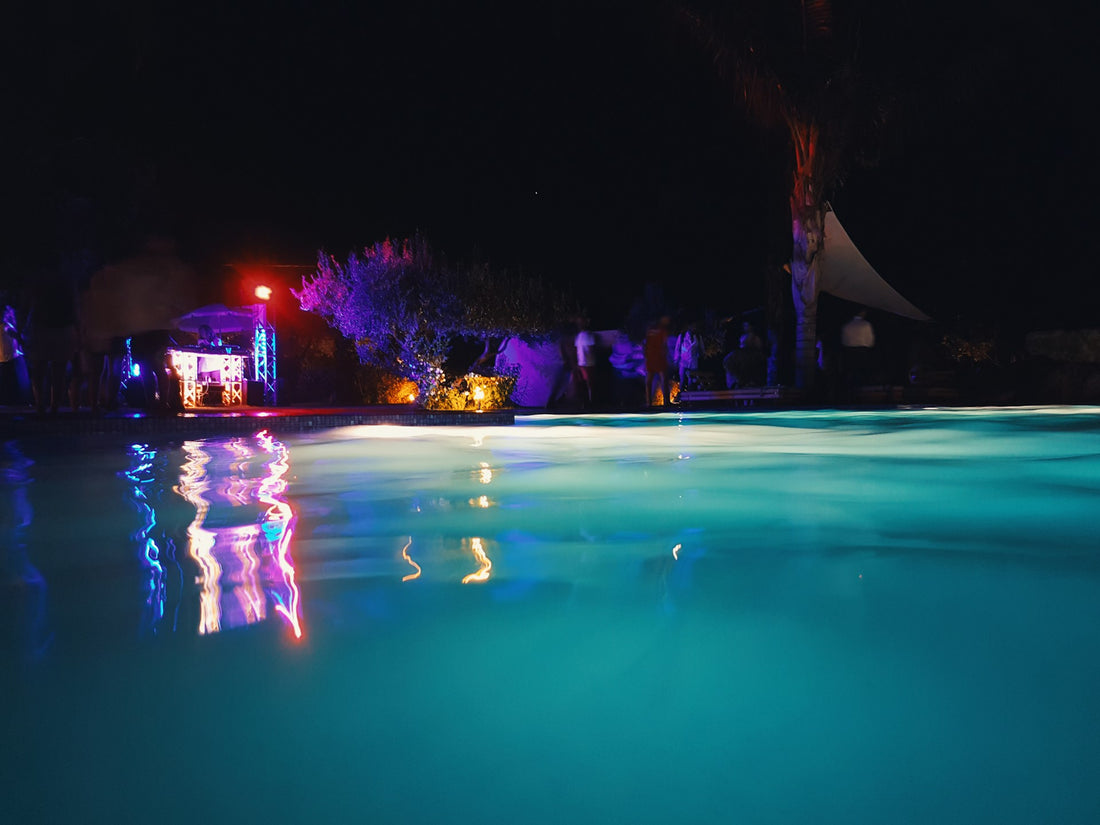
x=402, y=305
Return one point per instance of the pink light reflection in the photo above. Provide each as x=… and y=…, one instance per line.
x=251, y=561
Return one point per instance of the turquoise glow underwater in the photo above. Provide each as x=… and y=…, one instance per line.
x=785, y=617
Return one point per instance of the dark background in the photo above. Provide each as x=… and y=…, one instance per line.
x=590, y=143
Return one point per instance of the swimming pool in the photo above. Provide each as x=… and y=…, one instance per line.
x=857, y=617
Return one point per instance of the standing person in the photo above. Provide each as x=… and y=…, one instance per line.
x=11, y=358
x=51, y=343
x=656, y=361
x=857, y=337
x=207, y=338
x=209, y=365
x=753, y=364
x=585, y=343
x=561, y=387
x=745, y=366
x=749, y=340
x=688, y=349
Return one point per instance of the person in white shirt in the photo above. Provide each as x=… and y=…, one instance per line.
x=585, y=343
x=857, y=338
x=858, y=332
x=687, y=355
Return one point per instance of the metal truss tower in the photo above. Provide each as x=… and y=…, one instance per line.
x=263, y=353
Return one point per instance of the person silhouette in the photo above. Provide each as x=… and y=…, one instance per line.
x=585, y=343
x=688, y=349
x=857, y=338
x=656, y=361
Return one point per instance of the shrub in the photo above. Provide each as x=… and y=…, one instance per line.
x=474, y=392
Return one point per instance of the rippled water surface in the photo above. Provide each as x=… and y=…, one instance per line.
x=888, y=617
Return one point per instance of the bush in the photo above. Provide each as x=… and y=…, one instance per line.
x=474, y=392
x=493, y=392
x=394, y=390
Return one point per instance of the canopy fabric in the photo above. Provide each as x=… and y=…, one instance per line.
x=846, y=274
x=218, y=317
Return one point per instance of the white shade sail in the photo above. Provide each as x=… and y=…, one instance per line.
x=846, y=274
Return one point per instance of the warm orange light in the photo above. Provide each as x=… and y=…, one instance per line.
x=237, y=558
x=200, y=541
x=229, y=368
x=479, y=553
x=405, y=555
x=263, y=293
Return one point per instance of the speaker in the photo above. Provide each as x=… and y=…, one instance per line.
x=211, y=395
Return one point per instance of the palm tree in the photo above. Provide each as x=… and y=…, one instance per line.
x=790, y=65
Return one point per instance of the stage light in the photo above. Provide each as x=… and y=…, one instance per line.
x=135, y=370
x=263, y=293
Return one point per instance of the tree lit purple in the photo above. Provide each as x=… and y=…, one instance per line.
x=395, y=303
x=402, y=306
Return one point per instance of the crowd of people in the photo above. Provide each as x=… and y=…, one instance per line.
x=65, y=350
x=51, y=360
x=69, y=325
x=598, y=370
x=48, y=361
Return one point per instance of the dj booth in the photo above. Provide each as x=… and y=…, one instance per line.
x=219, y=375
x=210, y=375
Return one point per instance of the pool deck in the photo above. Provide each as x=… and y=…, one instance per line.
x=17, y=422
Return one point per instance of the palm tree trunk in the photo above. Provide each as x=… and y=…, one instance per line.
x=808, y=231
x=807, y=225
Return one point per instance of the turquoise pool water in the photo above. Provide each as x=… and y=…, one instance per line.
x=887, y=617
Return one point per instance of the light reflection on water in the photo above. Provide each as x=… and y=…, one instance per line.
x=806, y=482
x=24, y=589
x=241, y=534
x=782, y=617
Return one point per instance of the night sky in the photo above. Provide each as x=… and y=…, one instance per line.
x=590, y=143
